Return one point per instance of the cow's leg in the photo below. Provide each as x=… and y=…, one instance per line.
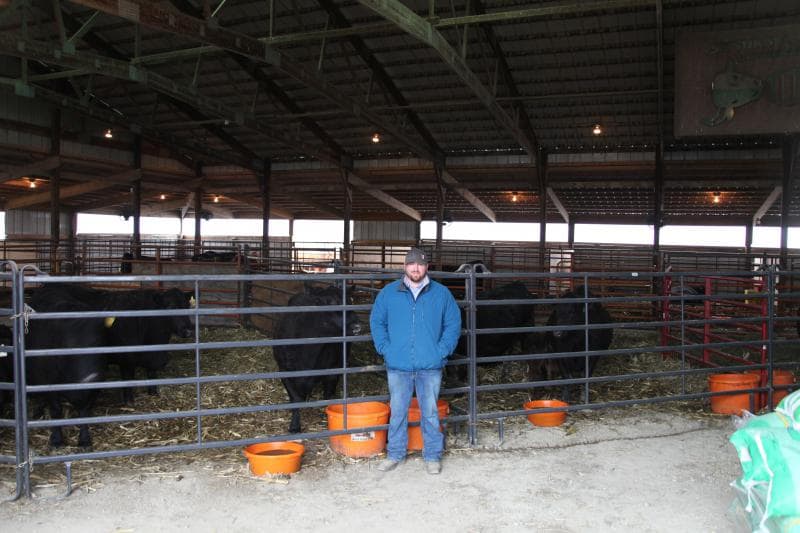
x=329, y=384
x=152, y=373
x=56, y=412
x=296, y=393
x=127, y=372
x=84, y=437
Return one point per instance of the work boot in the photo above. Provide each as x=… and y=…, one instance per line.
x=387, y=465
x=433, y=467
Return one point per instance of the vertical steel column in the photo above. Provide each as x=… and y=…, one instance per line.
x=137, y=199
x=348, y=209
x=265, y=187
x=658, y=192
x=440, y=193
x=472, y=380
x=55, y=193
x=789, y=156
x=20, y=385
x=541, y=174
x=770, y=310
x=198, y=210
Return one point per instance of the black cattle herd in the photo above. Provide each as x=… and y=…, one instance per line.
x=567, y=318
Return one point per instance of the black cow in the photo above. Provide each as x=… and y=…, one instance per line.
x=50, y=370
x=216, y=257
x=311, y=356
x=6, y=362
x=497, y=316
x=133, y=331
x=559, y=341
x=126, y=265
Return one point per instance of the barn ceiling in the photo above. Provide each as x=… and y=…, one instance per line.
x=205, y=97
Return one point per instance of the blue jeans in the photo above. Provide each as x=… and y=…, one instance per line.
x=401, y=385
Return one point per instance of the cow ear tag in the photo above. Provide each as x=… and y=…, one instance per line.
x=109, y=321
x=192, y=302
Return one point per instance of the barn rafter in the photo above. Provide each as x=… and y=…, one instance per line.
x=476, y=89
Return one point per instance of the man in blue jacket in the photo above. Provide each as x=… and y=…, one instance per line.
x=415, y=326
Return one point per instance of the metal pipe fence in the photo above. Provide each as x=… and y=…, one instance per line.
x=640, y=367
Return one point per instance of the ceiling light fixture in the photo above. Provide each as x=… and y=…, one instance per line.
x=597, y=130
x=376, y=138
x=108, y=134
x=514, y=197
x=163, y=196
x=31, y=183
x=216, y=199
x=716, y=197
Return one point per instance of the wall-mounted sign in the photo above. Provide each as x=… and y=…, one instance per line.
x=737, y=82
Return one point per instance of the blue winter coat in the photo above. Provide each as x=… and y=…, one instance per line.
x=415, y=335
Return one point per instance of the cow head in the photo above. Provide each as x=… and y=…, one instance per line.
x=180, y=326
x=332, y=295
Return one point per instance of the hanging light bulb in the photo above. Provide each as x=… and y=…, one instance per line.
x=31, y=183
x=597, y=130
x=514, y=197
x=216, y=199
x=108, y=134
x=716, y=197
x=376, y=138
x=163, y=196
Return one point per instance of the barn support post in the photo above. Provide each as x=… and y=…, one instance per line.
x=72, y=228
x=790, y=144
x=55, y=192
x=198, y=210
x=748, y=244
x=348, y=210
x=265, y=187
x=20, y=401
x=440, y=199
x=541, y=180
x=136, y=201
x=472, y=342
x=658, y=193
x=571, y=234
x=658, y=206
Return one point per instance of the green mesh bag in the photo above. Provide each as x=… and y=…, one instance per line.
x=768, y=447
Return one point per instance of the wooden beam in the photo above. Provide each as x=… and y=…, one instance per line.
x=557, y=202
x=416, y=26
x=776, y=192
x=256, y=202
x=383, y=197
x=467, y=195
x=37, y=168
x=69, y=192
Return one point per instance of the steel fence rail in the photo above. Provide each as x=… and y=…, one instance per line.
x=24, y=279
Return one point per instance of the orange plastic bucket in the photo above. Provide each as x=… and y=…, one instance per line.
x=733, y=404
x=546, y=419
x=414, y=415
x=779, y=378
x=274, y=457
x=359, y=415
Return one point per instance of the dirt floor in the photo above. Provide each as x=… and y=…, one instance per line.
x=622, y=470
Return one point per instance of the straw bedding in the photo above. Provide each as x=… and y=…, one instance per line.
x=229, y=461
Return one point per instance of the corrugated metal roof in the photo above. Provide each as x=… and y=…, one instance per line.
x=337, y=72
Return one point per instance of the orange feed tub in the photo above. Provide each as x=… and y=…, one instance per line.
x=733, y=404
x=783, y=378
x=274, y=457
x=780, y=378
x=359, y=415
x=414, y=415
x=546, y=419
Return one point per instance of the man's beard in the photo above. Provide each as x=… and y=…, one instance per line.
x=416, y=277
